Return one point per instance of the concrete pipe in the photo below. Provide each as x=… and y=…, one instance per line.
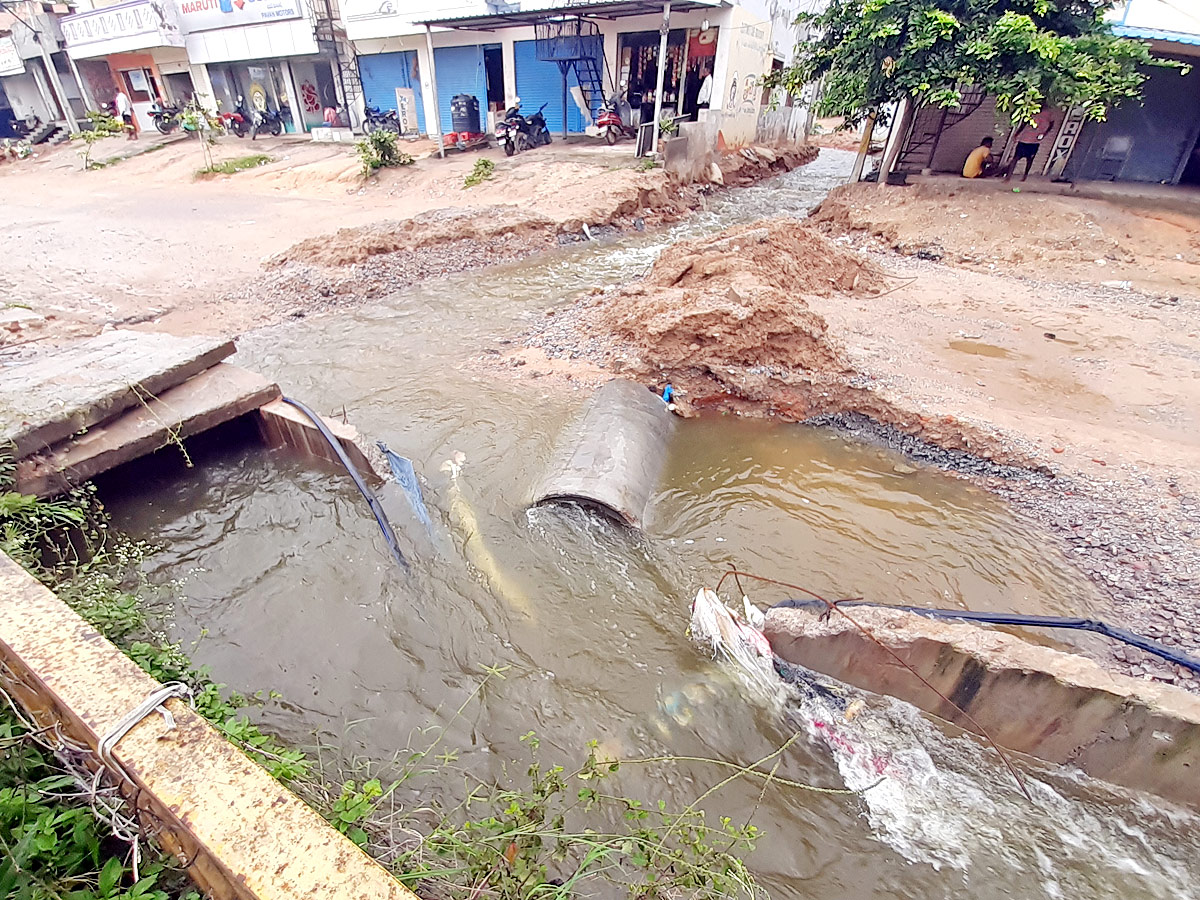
x=612, y=458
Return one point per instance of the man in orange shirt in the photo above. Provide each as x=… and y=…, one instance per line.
x=979, y=164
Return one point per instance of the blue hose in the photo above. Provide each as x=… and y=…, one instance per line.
x=385, y=526
x=1135, y=640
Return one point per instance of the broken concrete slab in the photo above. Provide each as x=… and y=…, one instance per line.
x=1053, y=705
x=213, y=397
x=48, y=399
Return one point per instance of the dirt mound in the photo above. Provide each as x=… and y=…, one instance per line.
x=1043, y=235
x=348, y=246
x=736, y=300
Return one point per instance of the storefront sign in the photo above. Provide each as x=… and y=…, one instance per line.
x=130, y=26
x=203, y=15
x=406, y=110
x=10, y=60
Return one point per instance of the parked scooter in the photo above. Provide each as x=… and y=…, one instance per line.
x=238, y=121
x=166, y=118
x=513, y=133
x=610, y=124
x=539, y=134
x=378, y=120
x=268, y=120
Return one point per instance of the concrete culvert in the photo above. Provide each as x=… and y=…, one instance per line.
x=611, y=459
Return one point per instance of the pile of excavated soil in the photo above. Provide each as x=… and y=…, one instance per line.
x=736, y=300
x=729, y=323
x=348, y=246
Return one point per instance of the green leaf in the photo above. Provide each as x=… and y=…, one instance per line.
x=110, y=876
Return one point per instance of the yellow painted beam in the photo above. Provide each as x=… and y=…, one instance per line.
x=243, y=834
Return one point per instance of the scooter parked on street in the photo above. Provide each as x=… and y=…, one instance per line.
x=610, y=124
x=166, y=118
x=378, y=120
x=539, y=134
x=268, y=120
x=238, y=121
x=513, y=133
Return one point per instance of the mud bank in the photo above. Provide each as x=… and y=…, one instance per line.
x=728, y=322
x=365, y=262
x=774, y=320
x=1001, y=228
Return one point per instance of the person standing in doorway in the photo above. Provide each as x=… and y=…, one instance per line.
x=704, y=97
x=1029, y=141
x=124, y=111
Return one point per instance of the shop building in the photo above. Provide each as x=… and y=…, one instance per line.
x=1154, y=140
x=286, y=55
x=568, y=58
x=40, y=92
x=136, y=46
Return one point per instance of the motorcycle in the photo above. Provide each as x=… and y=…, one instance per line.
x=513, y=133
x=539, y=134
x=378, y=120
x=268, y=120
x=239, y=120
x=610, y=124
x=166, y=118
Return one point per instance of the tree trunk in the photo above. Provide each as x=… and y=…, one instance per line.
x=864, y=145
x=892, y=152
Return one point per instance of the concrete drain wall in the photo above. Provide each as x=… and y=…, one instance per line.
x=243, y=834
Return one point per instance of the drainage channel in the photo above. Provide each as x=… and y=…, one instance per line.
x=281, y=580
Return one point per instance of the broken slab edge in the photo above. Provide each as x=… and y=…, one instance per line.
x=1055, y=706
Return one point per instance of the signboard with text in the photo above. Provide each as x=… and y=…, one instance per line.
x=148, y=23
x=205, y=15
x=10, y=60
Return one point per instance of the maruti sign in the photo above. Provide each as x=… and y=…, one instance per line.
x=204, y=15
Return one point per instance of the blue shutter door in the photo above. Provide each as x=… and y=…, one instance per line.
x=460, y=71
x=539, y=81
x=382, y=73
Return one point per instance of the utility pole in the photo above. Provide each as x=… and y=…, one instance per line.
x=437, y=115
x=663, y=31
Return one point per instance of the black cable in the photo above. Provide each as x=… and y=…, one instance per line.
x=1097, y=627
x=385, y=526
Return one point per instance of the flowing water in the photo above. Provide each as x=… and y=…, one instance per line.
x=283, y=582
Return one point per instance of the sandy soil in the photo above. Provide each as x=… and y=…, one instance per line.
x=1039, y=235
x=143, y=241
x=1080, y=403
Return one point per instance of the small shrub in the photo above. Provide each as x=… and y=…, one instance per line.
x=667, y=126
x=647, y=164
x=484, y=169
x=103, y=126
x=233, y=166
x=380, y=149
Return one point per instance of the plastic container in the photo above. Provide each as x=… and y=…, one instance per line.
x=464, y=113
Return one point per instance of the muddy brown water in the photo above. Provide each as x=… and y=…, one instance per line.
x=280, y=580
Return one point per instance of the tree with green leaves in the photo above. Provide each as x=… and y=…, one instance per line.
x=1029, y=54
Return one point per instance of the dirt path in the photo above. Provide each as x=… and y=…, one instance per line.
x=145, y=242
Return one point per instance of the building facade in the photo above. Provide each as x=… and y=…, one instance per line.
x=491, y=52
x=40, y=91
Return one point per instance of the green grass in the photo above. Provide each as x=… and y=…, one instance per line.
x=233, y=166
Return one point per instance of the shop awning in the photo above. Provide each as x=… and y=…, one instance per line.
x=613, y=9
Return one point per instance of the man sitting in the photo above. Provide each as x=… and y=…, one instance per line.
x=980, y=163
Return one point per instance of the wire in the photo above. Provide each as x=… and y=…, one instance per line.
x=1134, y=640
x=389, y=533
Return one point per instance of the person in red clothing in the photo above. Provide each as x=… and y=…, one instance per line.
x=1029, y=141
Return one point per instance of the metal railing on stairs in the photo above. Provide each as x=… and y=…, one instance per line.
x=574, y=43
x=929, y=123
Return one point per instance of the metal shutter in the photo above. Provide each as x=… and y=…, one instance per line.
x=382, y=73
x=460, y=71
x=538, y=82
